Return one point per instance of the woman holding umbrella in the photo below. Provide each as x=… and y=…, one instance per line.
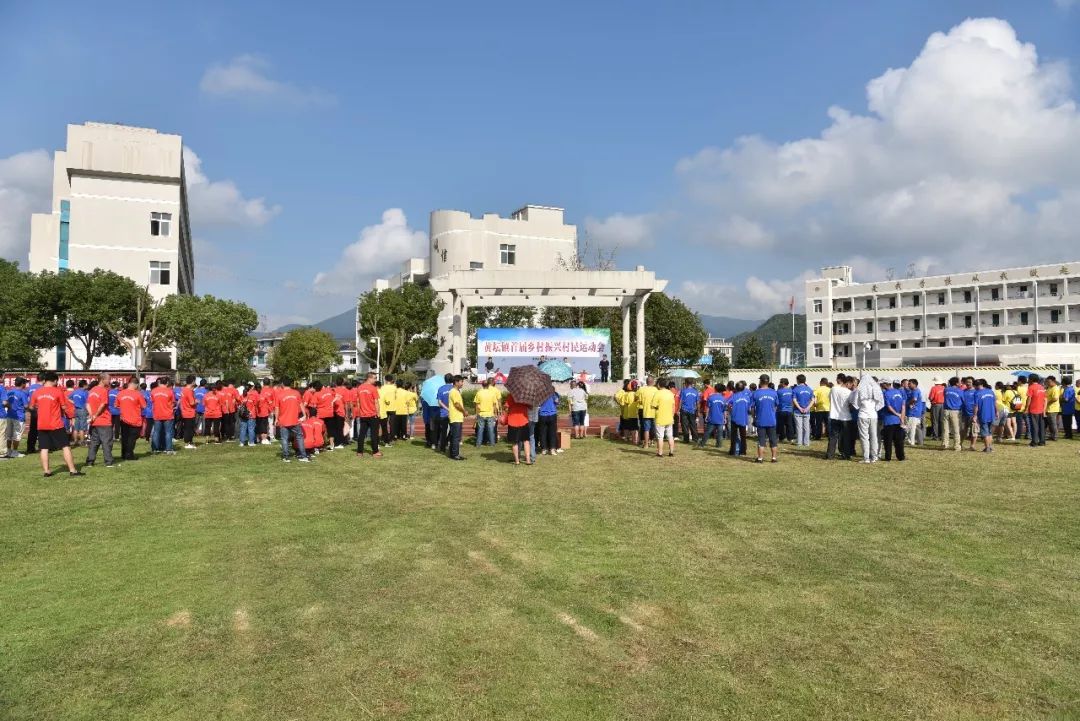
x=517, y=423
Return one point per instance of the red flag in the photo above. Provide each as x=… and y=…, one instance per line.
x=791, y=305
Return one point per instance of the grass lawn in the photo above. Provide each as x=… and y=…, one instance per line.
x=601, y=584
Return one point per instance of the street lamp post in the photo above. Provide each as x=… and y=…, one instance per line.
x=975, y=354
x=378, y=357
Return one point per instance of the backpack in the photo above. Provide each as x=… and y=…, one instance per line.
x=1017, y=402
x=243, y=412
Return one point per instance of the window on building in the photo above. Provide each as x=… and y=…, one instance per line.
x=869, y=326
x=507, y=254
x=941, y=344
x=995, y=319
x=475, y=265
x=967, y=296
x=967, y=321
x=917, y=344
x=917, y=324
x=819, y=350
x=892, y=302
x=817, y=327
x=892, y=346
x=996, y=341
x=1055, y=316
x=967, y=342
x=1023, y=317
x=817, y=306
x=1023, y=291
x=892, y=326
x=941, y=299
x=941, y=323
x=916, y=300
x=869, y=303
x=995, y=294
x=1025, y=340
x=159, y=223
x=1053, y=289
x=160, y=273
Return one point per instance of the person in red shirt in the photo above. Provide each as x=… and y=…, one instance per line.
x=314, y=434
x=131, y=404
x=308, y=397
x=367, y=410
x=51, y=405
x=1036, y=411
x=230, y=401
x=341, y=412
x=187, y=412
x=517, y=423
x=212, y=412
x=323, y=399
x=247, y=408
x=163, y=402
x=101, y=422
x=262, y=415
x=290, y=412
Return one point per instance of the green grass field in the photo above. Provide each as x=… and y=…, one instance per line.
x=601, y=584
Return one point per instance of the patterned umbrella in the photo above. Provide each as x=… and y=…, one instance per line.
x=684, y=373
x=529, y=385
x=430, y=389
x=557, y=370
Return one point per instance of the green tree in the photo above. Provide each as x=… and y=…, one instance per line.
x=674, y=335
x=720, y=366
x=301, y=352
x=25, y=325
x=407, y=321
x=210, y=334
x=750, y=354
x=147, y=334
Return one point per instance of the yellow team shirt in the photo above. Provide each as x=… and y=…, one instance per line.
x=1007, y=399
x=999, y=400
x=627, y=403
x=386, y=399
x=821, y=399
x=1021, y=390
x=485, y=401
x=663, y=406
x=645, y=396
x=455, y=414
x=1053, y=399
x=410, y=403
x=401, y=402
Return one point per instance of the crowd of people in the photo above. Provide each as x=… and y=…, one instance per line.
x=884, y=415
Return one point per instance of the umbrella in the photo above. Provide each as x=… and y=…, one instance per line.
x=529, y=385
x=557, y=370
x=429, y=391
x=684, y=373
x=1021, y=374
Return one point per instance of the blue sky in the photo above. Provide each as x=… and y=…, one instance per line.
x=310, y=122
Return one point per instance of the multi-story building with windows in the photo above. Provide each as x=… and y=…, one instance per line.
x=1015, y=316
x=119, y=203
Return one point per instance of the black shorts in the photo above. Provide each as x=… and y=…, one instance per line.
x=629, y=424
x=53, y=440
x=517, y=434
x=262, y=425
x=767, y=436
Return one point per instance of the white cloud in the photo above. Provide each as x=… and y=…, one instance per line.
x=220, y=202
x=246, y=77
x=968, y=158
x=753, y=298
x=622, y=231
x=1065, y=4
x=25, y=188
x=380, y=248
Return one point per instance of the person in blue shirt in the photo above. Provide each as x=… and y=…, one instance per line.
x=802, y=400
x=547, y=424
x=114, y=390
x=17, y=400
x=148, y=413
x=985, y=412
x=785, y=419
x=967, y=412
x=766, y=403
x=79, y=396
x=715, y=408
x=738, y=416
x=689, y=397
x=443, y=428
x=1068, y=405
x=200, y=407
x=953, y=404
x=893, y=420
x=916, y=409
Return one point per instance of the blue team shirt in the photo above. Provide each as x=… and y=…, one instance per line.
x=766, y=401
x=113, y=408
x=550, y=406
x=786, y=399
x=716, y=404
x=148, y=412
x=444, y=398
x=176, y=395
x=895, y=400
x=79, y=397
x=803, y=395
x=688, y=399
x=740, y=408
x=985, y=405
x=969, y=401
x=1068, y=399
x=954, y=398
x=17, y=400
x=916, y=404
x=200, y=393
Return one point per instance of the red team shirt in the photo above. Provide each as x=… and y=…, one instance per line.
x=212, y=405
x=367, y=401
x=187, y=402
x=98, y=397
x=163, y=401
x=52, y=405
x=288, y=408
x=324, y=403
x=131, y=403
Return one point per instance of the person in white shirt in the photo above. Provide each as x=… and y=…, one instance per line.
x=839, y=419
x=868, y=400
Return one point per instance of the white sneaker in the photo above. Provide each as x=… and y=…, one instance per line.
x=189, y=447
x=265, y=441
x=304, y=460
x=16, y=454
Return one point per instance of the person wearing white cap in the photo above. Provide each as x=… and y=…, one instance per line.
x=936, y=397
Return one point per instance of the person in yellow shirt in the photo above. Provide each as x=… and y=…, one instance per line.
x=819, y=414
x=628, y=420
x=1053, y=407
x=486, y=402
x=1021, y=412
x=399, y=411
x=663, y=407
x=1002, y=414
x=1008, y=396
x=456, y=416
x=646, y=412
x=387, y=392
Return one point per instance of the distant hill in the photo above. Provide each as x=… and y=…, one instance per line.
x=778, y=329
x=721, y=326
x=341, y=326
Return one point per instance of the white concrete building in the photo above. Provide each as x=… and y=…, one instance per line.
x=528, y=259
x=119, y=203
x=717, y=346
x=1015, y=316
